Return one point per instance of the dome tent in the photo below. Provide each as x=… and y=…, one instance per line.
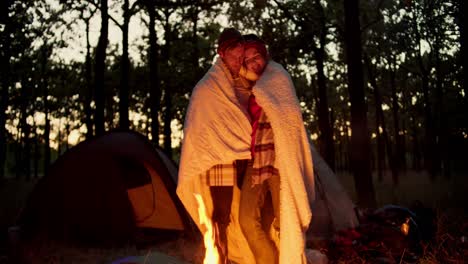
x=103, y=190
x=333, y=209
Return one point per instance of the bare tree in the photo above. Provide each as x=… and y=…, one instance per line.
x=153, y=57
x=167, y=91
x=462, y=11
x=88, y=76
x=360, y=141
x=5, y=84
x=326, y=131
x=128, y=12
x=383, y=141
x=100, y=68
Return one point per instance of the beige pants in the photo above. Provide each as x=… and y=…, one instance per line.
x=252, y=201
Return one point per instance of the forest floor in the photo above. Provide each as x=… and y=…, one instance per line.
x=446, y=196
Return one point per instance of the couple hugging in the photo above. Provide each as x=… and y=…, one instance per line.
x=244, y=138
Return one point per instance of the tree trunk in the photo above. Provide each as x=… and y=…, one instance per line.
x=385, y=136
x=345, y=146
x=36, y=151
x=59, y=137
x=429, y=137
x=380, y=143
x=47, y=155
x=333, y=136
x=89, y=87
x=406, y=100
x=5, y=83
x=442, y=157
x=396, y=126
x=155, y=90
x=27, y=151
x=46, y=51
x=416, y=148
x=18, y=148
x=167, y=122
x=67, y=130
x=403, y=164
x=124, y=85
x=463, y=42
x=24, y=152
x=379, y=121
x=100, y=68
x=429, y=145
x=360, y=142
x=326, y=133
x=167, y=91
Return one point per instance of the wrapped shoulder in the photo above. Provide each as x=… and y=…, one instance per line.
x=203, y=88
x=276, y=67
x=277, y=71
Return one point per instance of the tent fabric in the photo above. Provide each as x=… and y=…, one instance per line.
x=170, y=164
x=332, y=209
x=160, y=212
x=105, y=188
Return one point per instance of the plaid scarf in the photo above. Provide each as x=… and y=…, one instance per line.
x=263, y=147
x=220, y=175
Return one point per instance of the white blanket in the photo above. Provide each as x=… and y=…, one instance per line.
x=217, y=131
x=275, y=93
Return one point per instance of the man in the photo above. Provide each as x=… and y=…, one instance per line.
x=282, y=161
x=221, y=177
x=216, y=137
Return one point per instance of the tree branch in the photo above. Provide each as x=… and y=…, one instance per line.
x=378, y=19
x=108, y=15
x=86, y=19
x=287, y=13
x=133, y=9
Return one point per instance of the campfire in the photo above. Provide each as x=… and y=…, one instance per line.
x=211, y=252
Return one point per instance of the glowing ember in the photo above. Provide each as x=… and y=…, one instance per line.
x=211, y=253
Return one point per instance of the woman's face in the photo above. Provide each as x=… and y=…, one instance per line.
x=254, y=61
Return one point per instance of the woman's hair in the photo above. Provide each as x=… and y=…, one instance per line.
x=252, y=40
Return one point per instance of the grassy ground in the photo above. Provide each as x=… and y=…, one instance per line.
x=440, y=192
x=182, y=250
x=13, y=195
x=448, y=246
x=446, y=196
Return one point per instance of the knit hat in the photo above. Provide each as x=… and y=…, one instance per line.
x=253, y=41
x=228, y=38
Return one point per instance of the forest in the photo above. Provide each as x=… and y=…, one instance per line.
x=382, y=83
x=403, y=93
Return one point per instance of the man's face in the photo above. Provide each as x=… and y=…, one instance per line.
x=233, y=58
x=254, y=61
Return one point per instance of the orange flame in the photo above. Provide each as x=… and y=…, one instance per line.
x=211, y=253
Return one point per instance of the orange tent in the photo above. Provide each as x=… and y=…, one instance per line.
x=103, y=190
